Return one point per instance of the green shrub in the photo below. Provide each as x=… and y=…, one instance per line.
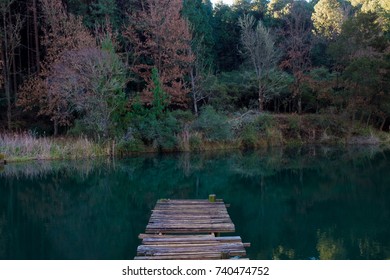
x=182, y=116
x=321, y=121
x=264, y=121
x=334, y=124
x=292, y=143
x=166, y=132
x=161, y=133
x=156, y=126
x=79, y=129
x=361, y=130
x=249, y=136
x=133, y=145
x=55, y=152
x=231, y=90
x=195, y=142
x=213, y=125
x=274, y=136
x=294, y=122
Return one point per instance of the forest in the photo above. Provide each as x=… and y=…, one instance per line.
x=91, y=77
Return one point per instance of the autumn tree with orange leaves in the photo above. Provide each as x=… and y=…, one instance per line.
x=297, y=32
x=63, y=33
x=160, y=38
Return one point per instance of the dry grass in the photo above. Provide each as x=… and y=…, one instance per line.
x=26, y=146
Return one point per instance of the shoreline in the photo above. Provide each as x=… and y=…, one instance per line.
x=258, y=132
x=11, y=160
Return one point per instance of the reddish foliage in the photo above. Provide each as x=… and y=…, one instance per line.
x=160, y=38
x=297, y=45
x=62, y=33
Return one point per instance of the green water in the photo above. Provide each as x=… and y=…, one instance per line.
x=308, y=203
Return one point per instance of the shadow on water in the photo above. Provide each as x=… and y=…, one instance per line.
x=307, y=203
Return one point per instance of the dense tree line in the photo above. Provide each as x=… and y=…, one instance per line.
x=110, y=68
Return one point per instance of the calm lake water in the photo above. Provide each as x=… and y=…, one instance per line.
x=308, y=203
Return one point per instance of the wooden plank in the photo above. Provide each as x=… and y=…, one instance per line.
x=178, y=231
x=184, y=241
x=208, y=210
x=193, y=206
x=178, y=225
x=145, y=235
x=183, y=205
x=176, y=217
x=188, y=216
x=207, y=228
x=189, y=222
x=187, y=201
x=229, y=249
x=215, y=205
x=190, y=204
x=187, y=228
x=193, y=220
x=198, y=229
x=171, y=246
x=200, y=245
x=189, y=209
x=202, y=256
x=193, y=239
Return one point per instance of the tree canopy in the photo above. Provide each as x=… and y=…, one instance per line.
x=270, y=55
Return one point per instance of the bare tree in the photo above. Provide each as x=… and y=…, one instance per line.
x=201, y=75
x=10, y=39
x=259, y=47
x=297, y=32
x=36, y=36
x=91, y=80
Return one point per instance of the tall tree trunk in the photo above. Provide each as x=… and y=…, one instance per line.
x=28, y=42
x=361, y=117
x=9, y=107
x=6, y=73
x=55, y=127
x=368, y=119
x=36, y=35
x=19, y=73
x=12, y=57
x=14, y=75
x=261, y=98
x=261, y=106
x=193, y=91
x=383, y=123
x=299, y=104
x=298, y=95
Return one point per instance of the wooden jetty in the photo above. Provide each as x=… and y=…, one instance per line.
x=190, y=229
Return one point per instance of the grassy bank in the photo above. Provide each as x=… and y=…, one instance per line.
x=253, y=130
x=214, y=132
x=26, y=146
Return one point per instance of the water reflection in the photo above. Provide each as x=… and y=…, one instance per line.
x=308, y=203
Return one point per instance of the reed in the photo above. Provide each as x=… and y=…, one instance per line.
x=27, y=146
